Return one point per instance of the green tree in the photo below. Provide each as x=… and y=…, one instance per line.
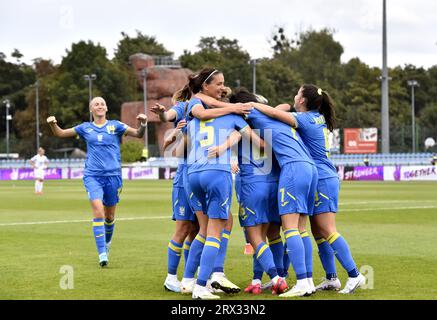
x=223, y=54
x=141, y=43
x=131, y=151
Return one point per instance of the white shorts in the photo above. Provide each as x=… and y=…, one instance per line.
x=38, y=173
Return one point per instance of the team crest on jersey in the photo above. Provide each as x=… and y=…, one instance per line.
x=110, y=129
x=100, y=137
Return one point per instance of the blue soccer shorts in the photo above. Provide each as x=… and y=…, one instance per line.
x=213, y=188
x=103, y=188
x=297, y=188
x=327, y=195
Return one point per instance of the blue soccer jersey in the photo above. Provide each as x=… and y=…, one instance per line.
x=103, y=147
x=314, y=132
x=285, y=141
x=180, y=108
x=254, y=166
x=205, y=134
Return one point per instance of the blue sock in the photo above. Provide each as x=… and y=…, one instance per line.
x=186, y=248
x=296, y=252
x=286, y=261
x=277, y=248
x=207, y=260
x=327, y=258
x=109, y=229
x=265, y=258
x=343, y=254
x=174, y=256
x=220, y=260
x=308, y=253
x=99, y=234
x=257, y=269
x=194, y=256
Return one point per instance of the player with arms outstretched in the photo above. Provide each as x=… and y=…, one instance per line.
x=102, y=176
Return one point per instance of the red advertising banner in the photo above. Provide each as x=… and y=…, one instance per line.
x=364, y=140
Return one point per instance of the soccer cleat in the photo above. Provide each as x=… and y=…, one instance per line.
x=187, y=285
x=222, y=283
x=311, y=284
x=254, y=289
x=248, y=249
x=280, y=286
x=103, y=260
x=299, y=290
x=267, y=285
x=108, y=247
x=202, y=293
x=172, y=284
x=332, y=284
x=353, y=283
x=211, y=289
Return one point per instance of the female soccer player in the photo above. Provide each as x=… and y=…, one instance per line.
x=297, y=183
x=315, y=116
x=187, y=198
x=39, y=162
x=102, y=177
x=211, y=180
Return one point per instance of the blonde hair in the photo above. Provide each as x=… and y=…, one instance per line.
x=94, y=99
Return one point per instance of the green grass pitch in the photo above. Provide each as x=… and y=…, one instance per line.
x=390, y=227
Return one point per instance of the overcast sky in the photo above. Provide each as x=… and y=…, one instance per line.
x=46, y=28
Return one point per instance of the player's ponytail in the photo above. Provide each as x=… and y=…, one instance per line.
x=318, y=99
x=327, y=110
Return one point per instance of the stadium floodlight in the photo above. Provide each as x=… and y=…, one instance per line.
x=254, y=62
x=413, y=84
x=385, y=123
x=38, y=134
x=90, y=78
x=8, y=118
x=146, y=138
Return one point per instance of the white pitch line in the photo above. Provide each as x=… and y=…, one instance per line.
x=168, y=217
x=78, y=221
x=389, y=208
x=386, y=201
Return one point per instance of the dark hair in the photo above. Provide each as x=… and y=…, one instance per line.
x=195, y=82
x=318, y=99
x=242, y=95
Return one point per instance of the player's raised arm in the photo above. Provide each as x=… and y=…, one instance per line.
x=175, y=133
x=232, y=140
x=248, y=133
x=277, y=114
x=138, y=132
x=58, y=131
x=283, y=107
x=163, y=114
x=213, y=103
x=199, y=112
